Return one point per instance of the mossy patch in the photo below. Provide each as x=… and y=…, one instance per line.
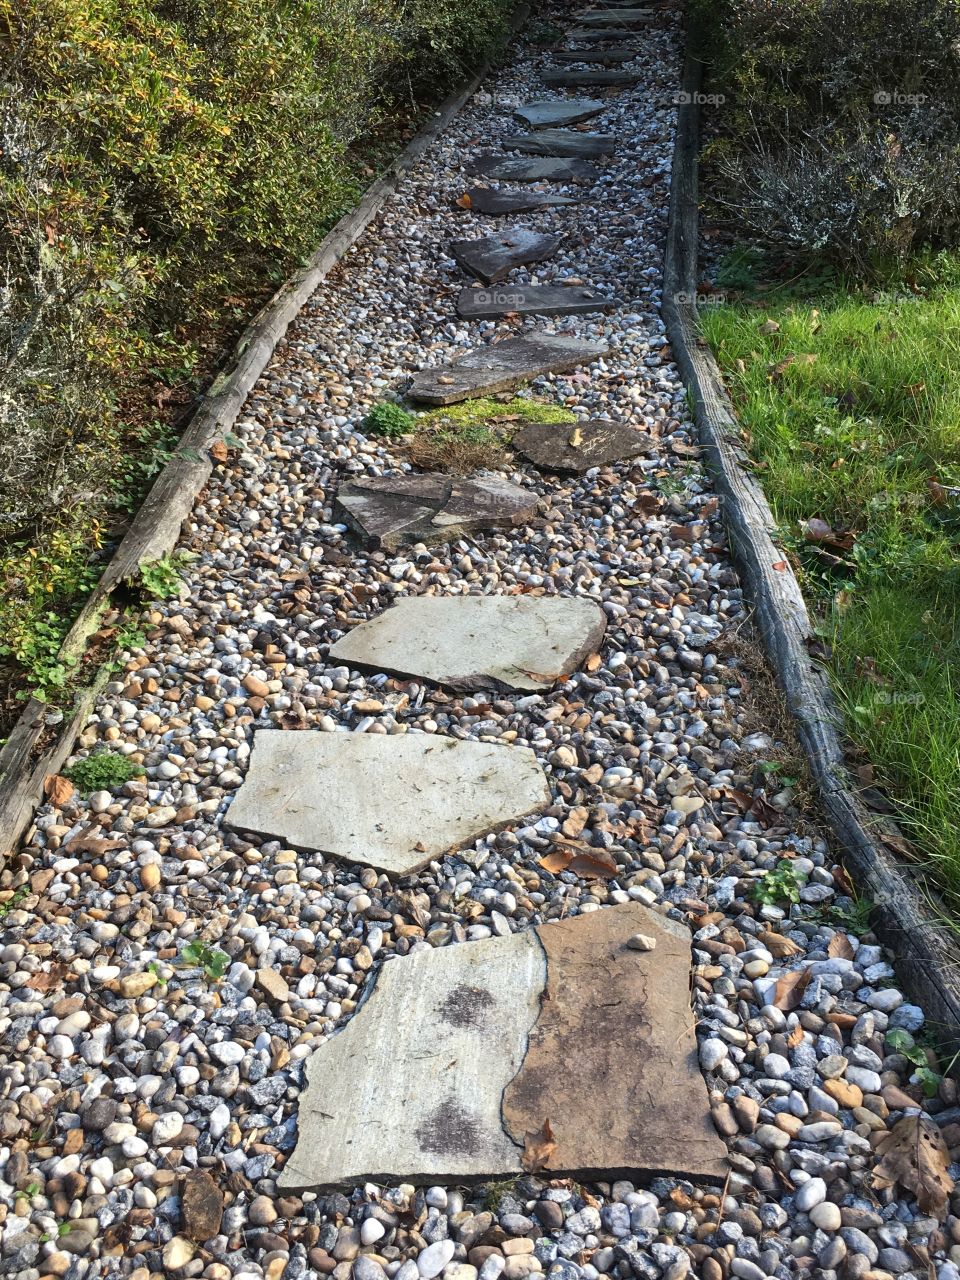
x=475, y=433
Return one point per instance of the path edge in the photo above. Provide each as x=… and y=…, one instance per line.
x=155, y=529
x=909, y=921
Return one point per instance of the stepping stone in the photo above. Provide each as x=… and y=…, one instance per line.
x=393, y=511
x=391, y=801
x=546, y=170
x=502, y=366
x=588, y=35
x=608, y=79
x=477, y=642
x=540, y=115
x=607, y=56
x=628, y=17
x=462, y=1055
x=531, y=300
x=577, y=449
x=489, y=200
x=492, y=257
x=562, y=142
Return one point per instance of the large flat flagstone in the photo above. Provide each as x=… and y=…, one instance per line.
x=534, y=170
x=392, y=801
x=393, y=511
x=462, y=1052
x=562, y=142
x=532, y=300
x=477, y=642
x=586, y=79
x=501, y=366
x=490, y=258
x=609, y=57
x=626, y=17
x=492, y=200
x=588, y=35
x=577, y=449
x=542, y=115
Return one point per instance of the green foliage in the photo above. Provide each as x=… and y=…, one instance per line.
x=866, y=438
x=212, y=961
x=104, y=771
x=163, y=166
x=838, y=132
x=163, y=578
x=902, y=1042
x=22, y=891
x=779, y=886
x=388, y=419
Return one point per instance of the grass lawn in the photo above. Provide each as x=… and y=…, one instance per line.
x=851, y=405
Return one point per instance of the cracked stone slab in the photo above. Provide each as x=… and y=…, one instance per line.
x=490, y=258
x=531, y=299
x=477, y=642
x=501, y=366
x=610, y=57
x=548, y=169
x=562, y=142
x=588, y=35
x=392, y=511
x=562, y=1022
x=391, y=801
x=577, y=449
x=587, y=79
x=626, y=17
x=491, y=200
x=542, y=115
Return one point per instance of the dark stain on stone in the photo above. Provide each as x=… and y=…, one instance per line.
x=450, y=1130
x=467, y=1007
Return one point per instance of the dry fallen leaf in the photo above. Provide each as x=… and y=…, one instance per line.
x=795, y=1037
x=219, y=451
x=57, y=789
x=790, y=988
x=769, y=326
x=778, y=945
x=90, y=841
x=587, y=863
x=779, y=565
x=538, y=1148
x=464, y=201
x=576, y=438
x=842, y=881
x=840, y=947
x=915, y=1155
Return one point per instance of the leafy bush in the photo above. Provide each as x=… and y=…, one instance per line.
x=388, y=419
x=840, y=128
x=163, y=163
x=103, y=772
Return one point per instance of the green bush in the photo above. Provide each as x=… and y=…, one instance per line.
x=163, y=164
x=388, y=419
x=839, y=133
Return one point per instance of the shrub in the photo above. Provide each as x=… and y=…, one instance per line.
x=103, y=772
x=840, y=130
x=388, y=419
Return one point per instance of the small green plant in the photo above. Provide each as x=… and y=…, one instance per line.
x=778, y=886
x=212, y=961
x=853, y=916
x=163, y=578
x=104, y=771
x=494, y=1192
x=902, y=1042
x=13, y=902
x=154, y=968
x=389, y=419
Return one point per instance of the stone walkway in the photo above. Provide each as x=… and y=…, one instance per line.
x=454, y=789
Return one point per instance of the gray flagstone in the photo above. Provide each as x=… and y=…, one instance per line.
x=562, y=142
x=531, y=299
x=540, y=115
x=490, y=258
x=548, y=169
x=502, y=366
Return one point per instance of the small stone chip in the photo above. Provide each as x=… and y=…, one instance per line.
x=641, y=942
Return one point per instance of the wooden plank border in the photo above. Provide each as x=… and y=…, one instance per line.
x=907, y=915
x=155, y=530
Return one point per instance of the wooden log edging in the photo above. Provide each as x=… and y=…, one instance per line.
x=906, y=913
x=26, y=758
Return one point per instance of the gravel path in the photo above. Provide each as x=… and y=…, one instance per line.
x=124, y=1068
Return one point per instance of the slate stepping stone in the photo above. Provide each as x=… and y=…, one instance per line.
x=477, y=642
x=598, y=35
x=492, y=257
x=627, y=17
x=577, y=449
x=609, y=57
x=462, y=1052
x=392, y=801
x=562, y=142
x=393, y=511
x=585, y=79
x=534, y=170
x=531, y=300
x=490, y=200
x=541, y=115
x=502, y=366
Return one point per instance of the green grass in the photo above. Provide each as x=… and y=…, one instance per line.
x=852, y=413
x=474, y=434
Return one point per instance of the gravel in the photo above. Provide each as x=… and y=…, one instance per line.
x=126, y=1063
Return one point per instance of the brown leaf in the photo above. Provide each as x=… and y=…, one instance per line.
x=898, y=844
x=219, y=451
x=915, y=1155
x=682, y=1200
x=778, y=945
x=769, y=326
x=795, y=1037
x=779, y=565
x=48, y=980
x=840, y=947
x=57, y=789
x=689, y=533
x=538, y=1148
x=790, y=988
x=582, y=861
x=90, y=841
x=464, y=201
x=842, y=881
